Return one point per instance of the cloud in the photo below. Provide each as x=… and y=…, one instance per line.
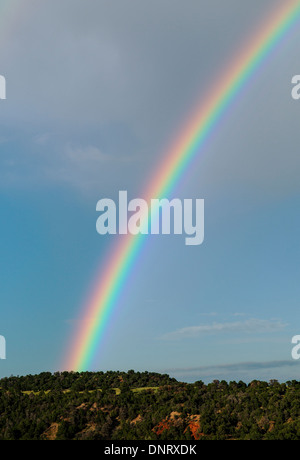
x=84, y=167
x=88, y=156
x=41, y=139
x=249, y=326
x=143, y=66
x=233, y=367
x=43, y=159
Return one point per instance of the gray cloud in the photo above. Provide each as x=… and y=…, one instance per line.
x=95, y=66
x=249, y=326
x=242, y=366
x=139, y=62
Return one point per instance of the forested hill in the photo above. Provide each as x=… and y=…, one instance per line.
x=145, y=406
x=79, y=381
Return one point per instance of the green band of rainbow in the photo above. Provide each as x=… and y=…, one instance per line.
x=111, y=282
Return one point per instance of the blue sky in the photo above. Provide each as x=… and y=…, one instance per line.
x=95, y=92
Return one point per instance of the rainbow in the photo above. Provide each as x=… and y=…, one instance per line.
x=201, y=125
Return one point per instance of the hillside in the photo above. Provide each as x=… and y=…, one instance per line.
x=145, y=406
